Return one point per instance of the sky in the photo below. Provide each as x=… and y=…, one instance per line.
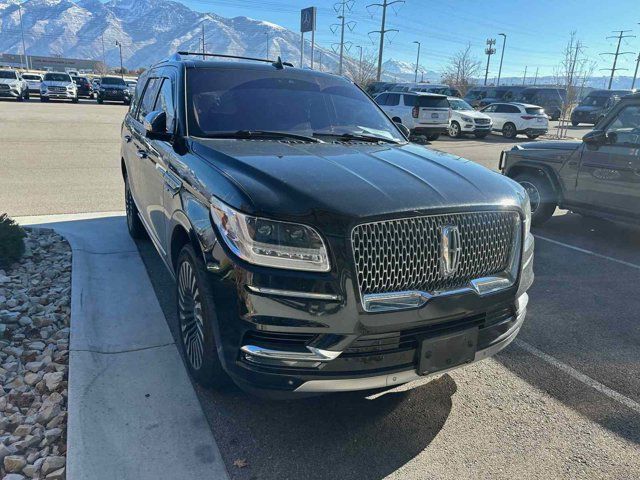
x=537, y=31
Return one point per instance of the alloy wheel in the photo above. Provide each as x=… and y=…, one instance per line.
x=129, y=207
x=534, y=194
x=190, y=315
x=454, y=129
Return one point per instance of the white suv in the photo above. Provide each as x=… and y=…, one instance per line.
x=33, y=80
x=466, y=120
x=422, y=113
x=58, y=85
x=13, y=86
x=514, y=118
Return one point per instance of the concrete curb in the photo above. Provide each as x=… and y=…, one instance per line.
x=133, y=412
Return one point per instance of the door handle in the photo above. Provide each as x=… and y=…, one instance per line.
x=141, y=153
x=127, y=138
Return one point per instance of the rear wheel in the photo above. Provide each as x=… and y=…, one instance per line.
x=74, y=100
x=196, y=314
x=509, y=130
x=433, y=136
x=532, y=137
x=541, y=195
x=134, y=224
x=454, y=130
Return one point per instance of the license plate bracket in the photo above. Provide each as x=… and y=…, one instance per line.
x=447, y=351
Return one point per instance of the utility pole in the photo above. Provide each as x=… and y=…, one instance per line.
x=489, y=51
x=635, y=74
x=24, y=49
x=535, y=79
x=360, y=64
x=504, y=42
x=202, y=25
x=524, y=78
x=382, y=30
x=342, y=8
x=415, y=77
x=620, y=36
x=118, y=44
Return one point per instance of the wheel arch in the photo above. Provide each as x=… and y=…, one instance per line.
x=537, y=170
x=182, y=232
x=396, y=119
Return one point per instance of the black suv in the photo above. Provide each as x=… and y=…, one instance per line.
x=113, y=89
x=85, y=89
x=599, y=176
x=314, y=248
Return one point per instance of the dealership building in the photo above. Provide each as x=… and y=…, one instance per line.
x=61, y=64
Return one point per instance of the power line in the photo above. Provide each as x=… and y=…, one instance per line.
x=382, y=30
x=620, y=36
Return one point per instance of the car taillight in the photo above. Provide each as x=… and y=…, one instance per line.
x=415, y=111
x=527, y=117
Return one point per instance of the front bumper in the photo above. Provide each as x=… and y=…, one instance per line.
x=113, y=96
x=69, y=95
x=535, y=131
x=9, y=93
x=277, y=336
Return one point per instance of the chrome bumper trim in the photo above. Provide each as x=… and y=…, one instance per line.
x=394, y=379
x=293, y=293
x=313, y=354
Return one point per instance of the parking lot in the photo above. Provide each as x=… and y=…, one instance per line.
x=563, y=401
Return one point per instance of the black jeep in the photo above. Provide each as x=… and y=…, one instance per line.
x=314, y=248
x=599, y=176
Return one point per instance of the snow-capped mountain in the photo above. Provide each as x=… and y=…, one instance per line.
x=148, y=30
x=399, y=71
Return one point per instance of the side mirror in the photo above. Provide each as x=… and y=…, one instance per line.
x=155, y=126
x=595, y=138
x=403, y=128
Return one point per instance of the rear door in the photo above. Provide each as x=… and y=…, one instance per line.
x=433, y=110
x=500, y=115
x=609, y=175
x=392, y=105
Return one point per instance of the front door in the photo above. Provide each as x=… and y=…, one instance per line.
x=609, y=175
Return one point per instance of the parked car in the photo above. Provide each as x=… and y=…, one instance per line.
x=552, y=99
x=33, y=82
x=597, y=176
x=595, y=106
x=442, y=90
x=85, y=89
x=59, y=86
x=424, y=114
x=113, y=89
x=13, y=86
x=479, y=97
x=314, y=249
x=466, y=120
x=375, y=88
x=514, y=118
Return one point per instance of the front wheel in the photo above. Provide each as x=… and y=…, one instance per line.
x=44, y=99
x=100, y=101
x=455, y=131
x=134, y=224
x=509, y=130
x=74, y=100
x=541, y=196
x=196, y=317
x=26, y=95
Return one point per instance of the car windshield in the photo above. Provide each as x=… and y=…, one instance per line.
x=112, y=81
x=460, y=105
x=296, y=102
x=27, y=76
x=7, y=74
x=57, y=77
x=594, y=101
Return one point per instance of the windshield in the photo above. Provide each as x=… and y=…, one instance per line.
x=57, y=77
x=460, y=105
x=594, y=101
x=226, y=100
x=27, y=76
x=112, y=81
x=7, y=74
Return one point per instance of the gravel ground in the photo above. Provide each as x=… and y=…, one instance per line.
x=35, y=308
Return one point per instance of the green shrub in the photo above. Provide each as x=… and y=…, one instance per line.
x=11, y=244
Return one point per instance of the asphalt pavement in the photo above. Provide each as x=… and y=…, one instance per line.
x=563, y=401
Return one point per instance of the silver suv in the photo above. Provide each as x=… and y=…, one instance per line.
x=13, y=86
x=58, y=85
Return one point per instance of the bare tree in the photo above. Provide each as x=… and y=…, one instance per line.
x=364, y=73
x=461, y=70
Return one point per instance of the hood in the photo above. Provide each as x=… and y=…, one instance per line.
x=50, y=83
x=8, y=80
x=471, y=113
x=550, y=145
x=587, y=108
x=109, y=86
x=350, y=182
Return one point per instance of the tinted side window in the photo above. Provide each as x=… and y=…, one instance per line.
x=136, y=97
x=512, y=109
x=490, y=109
x=625, y=128
x=148, y=98
x=165, y=103
x=501, y=108
x=409, y=100
x=381, y=99
x=393, y=99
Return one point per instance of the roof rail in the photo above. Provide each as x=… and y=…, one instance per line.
x=276, y=63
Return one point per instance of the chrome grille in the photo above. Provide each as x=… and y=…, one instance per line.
x=4, y=86
x=482, y=121
x=404, y=254
x=58, y=89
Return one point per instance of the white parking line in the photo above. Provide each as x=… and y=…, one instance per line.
x=590, y=252
x=581, y=377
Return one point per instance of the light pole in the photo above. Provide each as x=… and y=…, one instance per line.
x=118, y=44
x=24, y=49
x=415, y=77
x=504, y=42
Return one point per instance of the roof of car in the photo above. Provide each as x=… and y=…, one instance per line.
x=423, y=94
x=520, y=104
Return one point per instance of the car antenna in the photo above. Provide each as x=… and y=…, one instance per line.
x=278, y=63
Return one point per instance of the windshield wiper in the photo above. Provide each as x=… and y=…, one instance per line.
x=346, y=137
x=264, y=134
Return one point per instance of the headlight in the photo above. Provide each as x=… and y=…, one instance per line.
x=527, y=214
x=467, y=119
x=269, y=242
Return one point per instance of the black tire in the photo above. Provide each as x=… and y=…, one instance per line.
x=127, y=102
x=74, y=100
x=481, y=135
x=100, y=101
x=455, y=131
x=134, y=224
x=532, y=137
x=196, y=317
x=543, y=198
x=20, y=97
x=27, y=95
x=433, y=136
x=575, y=124
x=43, y=99
x=509, y=130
